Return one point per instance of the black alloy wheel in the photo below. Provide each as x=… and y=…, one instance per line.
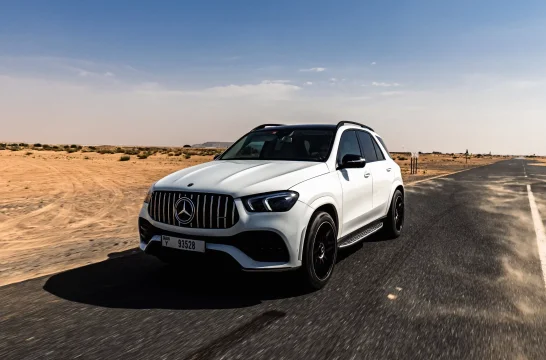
x=320, y=251
x=324, y=251
x=394, y=222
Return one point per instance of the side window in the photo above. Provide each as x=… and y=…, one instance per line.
x=368, y=151
x=347, y=145
x=378, y=151
x=384, y=146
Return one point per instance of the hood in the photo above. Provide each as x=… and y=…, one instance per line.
x=242, y=177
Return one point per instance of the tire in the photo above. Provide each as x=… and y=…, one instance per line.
x=394, y=222
x=320, y=251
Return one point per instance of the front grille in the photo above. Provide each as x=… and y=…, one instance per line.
x=211, y=211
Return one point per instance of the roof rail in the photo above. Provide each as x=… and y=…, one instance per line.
x=263, y=126
x=341, y=123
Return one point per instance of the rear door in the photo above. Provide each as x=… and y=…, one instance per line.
x=382, y=175
x=357, y=186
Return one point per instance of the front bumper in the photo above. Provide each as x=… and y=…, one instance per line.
x=289, y=227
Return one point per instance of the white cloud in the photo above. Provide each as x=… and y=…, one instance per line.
x=526, y=84
x=263, y=90
x=83, y=73
x=268, y=90
x=384, y=84
x=129, y=67
x=373, y=63
x=70, y=69
x=276, y=81
x=308, y=83
x=93, y=75
x=147, y=86
x=333, y=79
x=356, y=98
x=391, y=93
x=315, y=69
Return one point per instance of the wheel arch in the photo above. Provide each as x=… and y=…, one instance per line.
x=396, y=185
x=330, y=209
x=328, y=205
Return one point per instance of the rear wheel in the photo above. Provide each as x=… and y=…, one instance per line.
x=320, y=251
x=395, y=217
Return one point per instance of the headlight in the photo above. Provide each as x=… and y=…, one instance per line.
x=272, y=202
x=148, y=196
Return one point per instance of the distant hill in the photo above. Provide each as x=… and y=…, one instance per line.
x=213, y=144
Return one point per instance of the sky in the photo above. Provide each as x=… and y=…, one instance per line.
x=427, y=75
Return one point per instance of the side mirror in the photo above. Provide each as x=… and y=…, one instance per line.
x=216, y=156
x=351, y=161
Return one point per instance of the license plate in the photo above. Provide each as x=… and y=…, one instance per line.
x=183, y=244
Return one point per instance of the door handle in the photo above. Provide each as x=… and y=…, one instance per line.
x=389, y=169
x=367, y=175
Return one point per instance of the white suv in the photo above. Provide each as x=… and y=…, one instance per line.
x=280, y=198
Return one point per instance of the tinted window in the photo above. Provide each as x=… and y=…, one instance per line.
x=286, y=144
x=368, y=151
x=378, y=150
x=348, y=145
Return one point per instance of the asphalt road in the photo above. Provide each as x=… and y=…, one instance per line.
x=463, y=282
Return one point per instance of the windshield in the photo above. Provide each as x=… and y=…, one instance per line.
x=286, y=144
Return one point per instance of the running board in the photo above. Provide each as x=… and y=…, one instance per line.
x=360, y=234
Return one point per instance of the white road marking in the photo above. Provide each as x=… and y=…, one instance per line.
x=539, y=230
x=524, y=170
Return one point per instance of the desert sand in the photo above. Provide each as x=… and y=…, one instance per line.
x=62, y=210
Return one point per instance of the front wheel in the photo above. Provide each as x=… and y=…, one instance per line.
x=320, y=251
x=395, y=217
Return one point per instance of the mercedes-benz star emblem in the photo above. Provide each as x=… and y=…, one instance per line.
x=184, y=210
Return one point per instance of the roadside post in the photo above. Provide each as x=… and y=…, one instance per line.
x=414, y=162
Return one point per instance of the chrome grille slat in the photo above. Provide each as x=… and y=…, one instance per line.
x=164, y=206
x=225, y=215
x=197, y=212
x=169, y=207
x=159, y=207
x=151, y=204
x=218, y=213
x=204, y=210
x=156, y=197
x=152, y=210
x=156, y=206
x=179, y=196
x=191, y=198
x=210, y=207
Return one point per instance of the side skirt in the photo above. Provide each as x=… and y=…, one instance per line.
x=360, y=234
